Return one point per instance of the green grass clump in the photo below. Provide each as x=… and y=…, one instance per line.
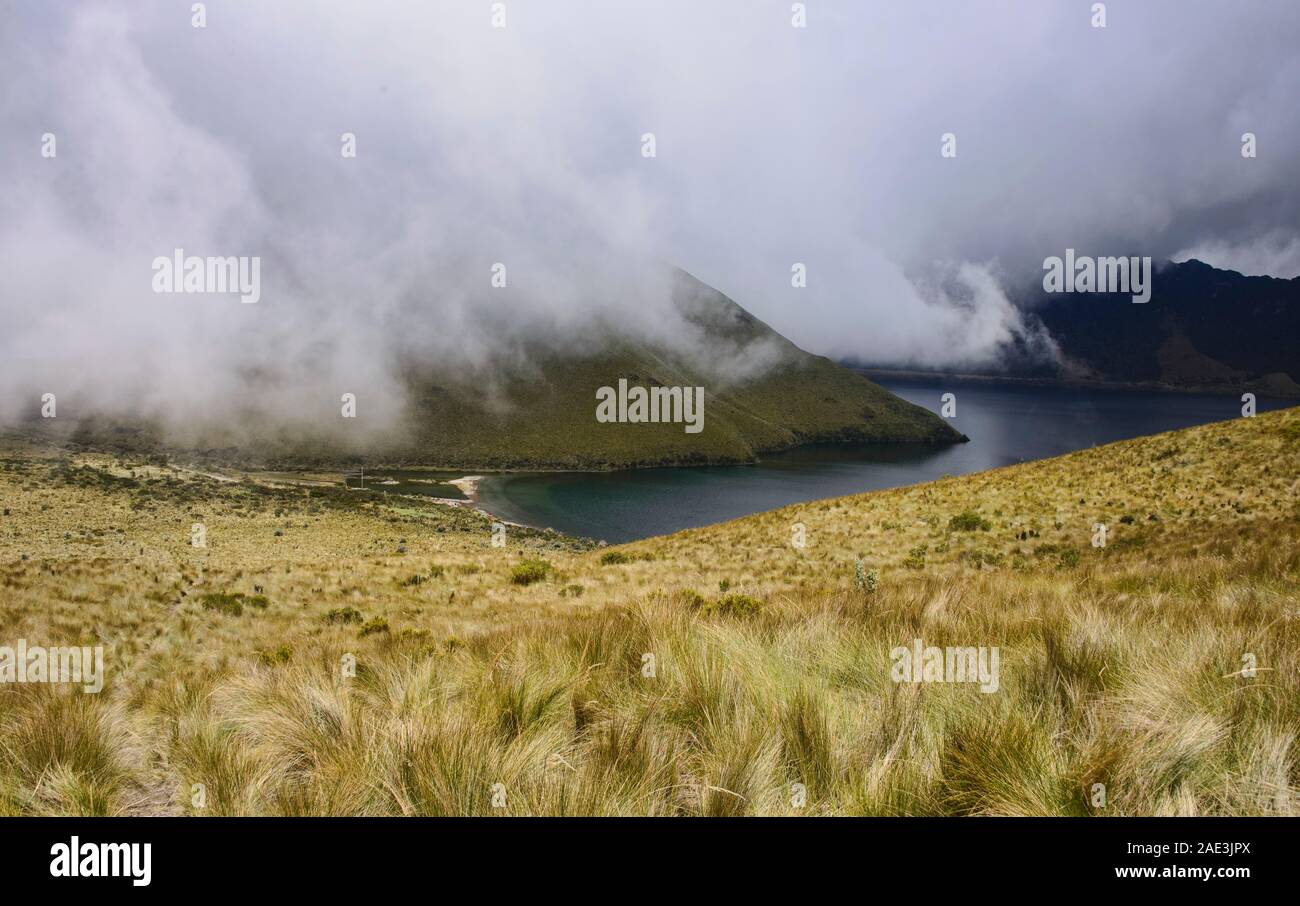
x=969, y=521
x=373, y=626
x=232, y=604
x=614, y=558
x=1066, y=557
x=530, y=571
x=733, y=605
x=343, y=615
x=693, y=599
x=979, y=558
x=275, y=657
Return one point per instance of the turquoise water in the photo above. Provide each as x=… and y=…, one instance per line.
x=1005, y=424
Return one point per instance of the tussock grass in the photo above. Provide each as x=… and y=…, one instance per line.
x=719, y=671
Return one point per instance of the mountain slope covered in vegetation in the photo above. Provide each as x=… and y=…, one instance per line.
x=538, y=411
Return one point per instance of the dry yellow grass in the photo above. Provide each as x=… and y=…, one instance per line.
x=476, y=694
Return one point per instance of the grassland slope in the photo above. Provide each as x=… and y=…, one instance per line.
x=723, y=670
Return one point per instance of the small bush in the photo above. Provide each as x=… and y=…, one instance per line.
x=530, y=571
x=979, y=558
x=1064, y=555
x=275, y=657
x=693, y=599
x=865, y=579
x=613, y=558
x=969, y=521
x=343, y=615
x=733, y=606
x=372, y=626
x=232, y=604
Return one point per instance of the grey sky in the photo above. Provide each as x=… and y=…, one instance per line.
x=521, y=145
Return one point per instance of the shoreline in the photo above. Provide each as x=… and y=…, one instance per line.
x=1011, y=380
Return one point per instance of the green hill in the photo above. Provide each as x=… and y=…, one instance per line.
x=762, y=393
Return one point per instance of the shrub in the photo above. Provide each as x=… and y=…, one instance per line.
x=733, y=606
x=693, y=599
x=978, y=558
x=343, y=615
x=613, y=558
x=232, y=604
x=1065, y=556
x=865, y=579
x=372, y=626
x=916, y=558
x=969, y=521
x=275, y=657
x=530, y=571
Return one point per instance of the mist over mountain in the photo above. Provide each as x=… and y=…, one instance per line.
x=757, y=392
x=1204, y=328
x=523, y=146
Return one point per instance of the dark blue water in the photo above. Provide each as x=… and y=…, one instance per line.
x=1005, y=424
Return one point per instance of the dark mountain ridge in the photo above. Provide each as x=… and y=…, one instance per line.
x=1204, y=329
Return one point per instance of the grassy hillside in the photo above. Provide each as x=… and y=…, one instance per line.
x=526, y=666
x=762, y=393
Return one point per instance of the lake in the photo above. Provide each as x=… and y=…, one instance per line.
x=1006, y=424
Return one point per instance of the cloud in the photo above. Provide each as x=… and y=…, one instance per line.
x=522, y=145
x=1275, y=254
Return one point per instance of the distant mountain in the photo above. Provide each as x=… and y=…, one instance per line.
x=1203, y=328
x=762, y=393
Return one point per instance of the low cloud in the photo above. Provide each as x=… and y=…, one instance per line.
x=522, y=146
x=1274, y=255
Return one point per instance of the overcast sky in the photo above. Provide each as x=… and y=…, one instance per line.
x=522, y=145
